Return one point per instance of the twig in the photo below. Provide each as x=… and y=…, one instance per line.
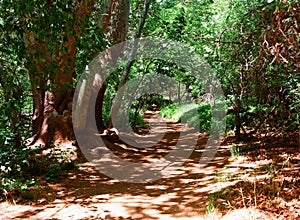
x=255, y=204
x=241, y=189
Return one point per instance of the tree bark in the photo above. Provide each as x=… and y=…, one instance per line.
x=115, y=25
x=99, y=109
x=52, y=91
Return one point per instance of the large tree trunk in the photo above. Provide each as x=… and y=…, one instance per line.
x=53, y=91
x=115, y=25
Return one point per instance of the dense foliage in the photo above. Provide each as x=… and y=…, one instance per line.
x=253, y=46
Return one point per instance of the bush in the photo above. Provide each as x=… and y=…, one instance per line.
x=169, y=111
x=197, y=116
x=21, y=168
x=137, y=121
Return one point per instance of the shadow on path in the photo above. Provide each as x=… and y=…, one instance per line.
x=87, y=194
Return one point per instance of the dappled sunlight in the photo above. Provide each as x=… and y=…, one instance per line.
x=182, y=193
x=176, y=197
x=87, y=194
x=265, y=177
x=141, y=109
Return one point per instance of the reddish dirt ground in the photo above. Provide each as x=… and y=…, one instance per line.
x=85, y=193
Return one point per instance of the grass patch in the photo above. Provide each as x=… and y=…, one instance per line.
x=235, y=151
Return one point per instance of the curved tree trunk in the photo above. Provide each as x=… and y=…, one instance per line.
x=115, y=25
x=99, y=109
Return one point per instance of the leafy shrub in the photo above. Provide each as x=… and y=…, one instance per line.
x=14, y=166
x=137, y=120
x=169, y=111
x=21, y=168
x=197, y=116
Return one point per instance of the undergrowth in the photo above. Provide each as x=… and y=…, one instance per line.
x=273, y=187
x=24, y=168
x=197, y=116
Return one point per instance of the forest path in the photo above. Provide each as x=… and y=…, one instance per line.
x=87, y=194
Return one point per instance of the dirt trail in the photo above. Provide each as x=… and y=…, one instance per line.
x=87, y=194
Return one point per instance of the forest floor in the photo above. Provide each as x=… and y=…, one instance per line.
x=253, y=184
